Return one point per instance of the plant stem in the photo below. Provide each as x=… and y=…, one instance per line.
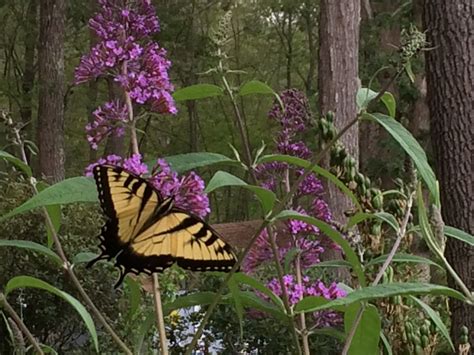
x=9, y=309
x=303, y=328
x=67, y=265
x=160, y=320
x=159, y=315
x=400, y=234
x=286, y=301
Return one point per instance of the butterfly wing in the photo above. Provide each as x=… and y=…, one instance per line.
x=128, y=202
x=180, y=237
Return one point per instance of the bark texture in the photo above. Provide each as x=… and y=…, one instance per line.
x=338, y=78
x=450, y=84
x=51, y=90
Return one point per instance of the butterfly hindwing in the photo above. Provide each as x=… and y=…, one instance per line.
x=145, y=233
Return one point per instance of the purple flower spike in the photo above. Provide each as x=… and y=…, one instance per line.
x=109, y=119
x=135, y=165
x=296, y=293
x=187, y=191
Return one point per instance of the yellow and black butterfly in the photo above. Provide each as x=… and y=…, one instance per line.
x=145, y=232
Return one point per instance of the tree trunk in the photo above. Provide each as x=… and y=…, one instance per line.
x=28, y=78
x=338, y=78
x=338, y=83
x=450, y=79
x=51, y=90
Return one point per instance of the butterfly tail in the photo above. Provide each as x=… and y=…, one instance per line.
x=123, y=272
x=100, y=257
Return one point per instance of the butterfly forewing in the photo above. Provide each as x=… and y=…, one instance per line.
x=128, y=203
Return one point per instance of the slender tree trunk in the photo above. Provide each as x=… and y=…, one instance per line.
x=338, y=77
x=289, y=58
x=29, y=70
x=27, y=84
x=450, y=79
x=51, y=90
x=310, y=26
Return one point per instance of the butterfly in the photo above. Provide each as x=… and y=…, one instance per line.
x=147, y=233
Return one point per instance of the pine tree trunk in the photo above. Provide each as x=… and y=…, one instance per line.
x=338, y=78
x=51, y=90
x=450, y=79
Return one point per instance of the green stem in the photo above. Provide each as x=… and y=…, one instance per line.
x=400, y=235
x=159, y=315
x=9, y=309
x=160, y=320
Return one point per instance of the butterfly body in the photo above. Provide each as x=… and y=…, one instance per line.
x=147, y=233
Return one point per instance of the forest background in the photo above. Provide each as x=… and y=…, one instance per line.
x=325, y=50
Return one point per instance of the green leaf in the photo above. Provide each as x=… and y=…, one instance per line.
x=76, y=189
x=367, y=335
x=54, y=212
x=365, y=95
x=436, y=320
x=134, y=296
x=27, y=281
x=221, y=178
x=145, y=327
x=411, y=147
x=459, y=234
x=332, y=263
x=197, y=92
x=335, y=237
x=329, y=332
x=251, y=300
x=316, y=169
x=382, y=216
x=403, y=258
x=184, y=162
x=259, y=286
x=83, y=257
x=289, y=257
x=312, y=304
x=17, y=162
x=32, y=246
x=255, y=87
x=239, y=308
x=409, y=72
x=425, y=226
x=390, y=103
x=386, y=343
x=193, y=299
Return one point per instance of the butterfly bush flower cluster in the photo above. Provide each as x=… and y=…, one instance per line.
x=126, y=53
x=294, y=120
x=296, y=292
x=187, y=191
x=139, y=66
